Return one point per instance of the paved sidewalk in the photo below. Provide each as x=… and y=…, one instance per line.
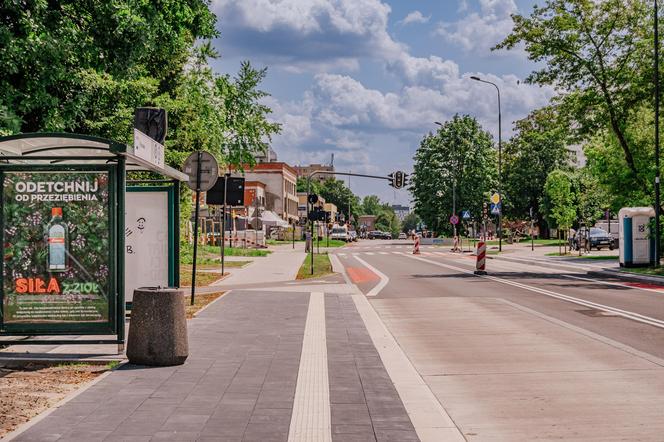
x=280, y=265
x=243, y=378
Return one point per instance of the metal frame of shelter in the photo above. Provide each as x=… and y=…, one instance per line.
x=64, y=152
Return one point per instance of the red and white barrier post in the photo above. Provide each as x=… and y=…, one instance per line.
x=416, y=248
x=481, y=259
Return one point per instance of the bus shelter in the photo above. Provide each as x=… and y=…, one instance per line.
x=65, y=239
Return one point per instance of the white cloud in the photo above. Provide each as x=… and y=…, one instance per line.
x=368, y=129
x=314, y=35
x=479, y=31
x=415, y=17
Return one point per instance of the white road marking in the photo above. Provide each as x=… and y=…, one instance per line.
x=369, y=253
x=311, y=420
x=384, y=253
x=341, y=254
x=383, y=278
x=624, y=313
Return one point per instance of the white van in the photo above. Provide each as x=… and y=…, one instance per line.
x=340, y=233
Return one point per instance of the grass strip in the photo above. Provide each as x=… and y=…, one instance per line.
x=322, y=267
x=659, y=271
x=200, y=301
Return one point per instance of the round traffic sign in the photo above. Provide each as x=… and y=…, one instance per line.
x=454, y=219
x=209, y=170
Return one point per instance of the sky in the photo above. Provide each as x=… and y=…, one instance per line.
x=366, y=79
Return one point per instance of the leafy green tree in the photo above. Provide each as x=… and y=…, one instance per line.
x=559, y=200
x=387, y=220
x=371, y=205
x=410, y=222
x=591, y=199
x=538, y=147
x=336, y=192
x=598, y=54
x=65, y=61
x=85, y=66
x=459, y=151
x=609, y=169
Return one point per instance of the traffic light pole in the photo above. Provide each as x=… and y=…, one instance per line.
x=326, y=172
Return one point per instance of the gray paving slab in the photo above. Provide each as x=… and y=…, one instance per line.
x=237, y=384
x=365, y=405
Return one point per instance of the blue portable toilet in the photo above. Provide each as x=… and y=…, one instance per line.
x=637, y=242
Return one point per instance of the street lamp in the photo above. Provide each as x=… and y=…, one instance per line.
x=500, y=152
x=453, y=183
x=657, y=201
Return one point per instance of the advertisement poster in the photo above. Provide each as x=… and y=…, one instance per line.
x=56, y=247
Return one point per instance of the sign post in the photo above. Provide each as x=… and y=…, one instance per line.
x=203, y=172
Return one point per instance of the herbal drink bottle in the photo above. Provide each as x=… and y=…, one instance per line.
x=57, y=242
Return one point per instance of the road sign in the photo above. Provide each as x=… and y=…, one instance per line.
x=454, y=219
x=148, y=149
x=495, y=209
x=465, y=214
x=209, y=170
x=495, y=198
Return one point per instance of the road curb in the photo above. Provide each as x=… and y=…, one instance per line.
x=629, y=276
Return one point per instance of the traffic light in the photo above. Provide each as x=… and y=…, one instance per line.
x=397, y=179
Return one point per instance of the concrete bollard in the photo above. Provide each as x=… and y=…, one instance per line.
x=158, y=327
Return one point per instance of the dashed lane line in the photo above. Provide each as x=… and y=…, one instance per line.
x=619, y=312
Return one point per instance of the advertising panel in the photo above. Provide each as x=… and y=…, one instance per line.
x=56, y=236
x=148, y=238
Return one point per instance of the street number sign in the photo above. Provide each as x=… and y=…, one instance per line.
x=209, y=170
x=454, y=219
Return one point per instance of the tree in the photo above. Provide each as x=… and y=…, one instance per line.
x=410, y=222
x=609, y=169
x=387, y=220
x=559, y=200
x=371, y=205
x=336, y=192
x=590, y=198
x=85, y=66
x=460, y=150
x=597, y=53
x=64, y=61
x=538, y=147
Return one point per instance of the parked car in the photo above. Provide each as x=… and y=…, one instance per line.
x=402, y=235
x=375, y=234
x=387, y=235
x=599, y=239
x=353, y=235
x=340, y=233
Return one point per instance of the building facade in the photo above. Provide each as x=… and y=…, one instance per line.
x=280, y=182
x=304, y=171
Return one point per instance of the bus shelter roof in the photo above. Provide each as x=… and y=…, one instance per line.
x=72, y=149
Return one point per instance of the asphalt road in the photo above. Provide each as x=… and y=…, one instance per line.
x=543, y=342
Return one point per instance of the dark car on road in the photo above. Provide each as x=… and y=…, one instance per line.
x=599, y=239
x=375, y=234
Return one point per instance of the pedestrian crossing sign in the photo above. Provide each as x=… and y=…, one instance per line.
x=465, y=214
x=495, y=209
